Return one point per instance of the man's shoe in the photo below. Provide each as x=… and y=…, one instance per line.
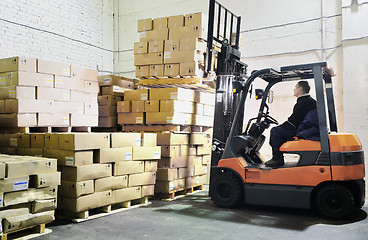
x=274, y=163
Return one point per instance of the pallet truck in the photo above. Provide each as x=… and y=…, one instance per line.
x=329, y=175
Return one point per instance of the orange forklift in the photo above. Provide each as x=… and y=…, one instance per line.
x=329, y=175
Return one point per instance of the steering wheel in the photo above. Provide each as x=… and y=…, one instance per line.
x=270, y=119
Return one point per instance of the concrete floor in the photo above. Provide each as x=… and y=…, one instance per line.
x=195, y=217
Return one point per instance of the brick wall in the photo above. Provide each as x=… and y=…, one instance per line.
x=58, y=30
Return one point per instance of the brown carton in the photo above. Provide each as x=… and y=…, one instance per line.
x=183, y=56
x=131, y=118
x=43, y=205
x=125, y=140
x=200, y=138
x=69, y=83
x=18, y=64
x=177, y=162
x=127, y=194
x=174, y=151
x=156, y=70
x=29, y=195
x=24, y=166
x=152, y=106
x=108, y=100
x=70, y=157
x=128, y=167
x=90, y=108
x=113, y=90
x=28, y=106
x=8, y=140
x=172, y=45
x=188, y=31
x=51, y=140
x=206, y=159
x=172, y=139
x=84, y=73
x=145, y=25
x=200, y=120
x=150, y=166
x=140, y=179
x=148, y=59
x=193, y=181
x=183, y=173
x=24, y=140
x=149, y=139
x=37, y=152
x=18, y=92
x=176, y=21
x=191, y=69
x=136, y=95
x=108, y=80
x=161, y=34
x=199, y=170
x=2, y=170
x=108, y=155
x=140, y=47
x=160, y=23
x=207, y=98
x=106, y=122
x=82, y=120
x=45, y=93
x=171, y=93
x=14, y=184
x=177, y=106
x=171, y=70
x=141, y=71
x=124, y=106
x=2, y=106
x=48, y=67
x=208, y=110
x=45, y=180
x=37, y=140
x=169, y=186
x=199, y=108
x=138, y=106
x=156, y=46
x=76, y=189
x=84, y=141
x=26, y=79
x=148, y=190
x=204, y=149
x=194, y=160
x=87, y=172
x=167, y=174
x=190, y=43
x=68, y=107
x=106, y=111
x=168, y=118
x=94, y=200
x=111, y=183
x=146, y=153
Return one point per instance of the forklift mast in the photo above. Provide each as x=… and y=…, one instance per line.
x=223, y=59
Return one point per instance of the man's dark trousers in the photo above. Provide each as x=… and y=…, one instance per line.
x=278, y=136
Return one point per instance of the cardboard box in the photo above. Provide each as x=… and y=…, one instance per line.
x=39, y=206
x=171, y=70
x=195, y=19
x=207, y=98
x=18, y=120
x=148, y=190
x=77, y=96
x=138, y=106
x=90, y=108
x=68, y=107
x=150, y=166
x=169, y=186
x=127, y=194
x=24, y=166
x=108, y=100
x=188, y=31
x=18, y=64
x=45, y=93
x=200, y=138
x=2, y=106
x=37, y=140
x=176, y=162
x=37, y=152
x=174, y=151
x=168, y=118
x=167, y=174
x=124, y=106
x=161, y=34
x=140, y=47
x=45, y=180
x=160, y=23
x=108, y=80
x=199, y=170
x=70, y=157
x=76, y=189
x=177, y=106
x=199, y=108
x=190, y=43
x=107, y=122
x=86, y=172
x=24, y=140
x=176, y=21
x=12, y=224
x=152, y=106
x=128, y=167
x=111, y=183
x=156, y=46
x=156, y=70
x=193, y=181
x=148, y=59
x=146, y=153
x=204, y=149
x=172, y=139
x=149, y=139
x=119, y=140
x=141, y=71
x=131, y=118
x=26, y=79
x=107, y=111
x=8, y=140
x=2, y=170
x=84, y=73
x=183, y=173
x=91, y=201
x=206, y=159
x=183, y=56
x=140, y=179
x=82, y=120
x=14, y=184
x=11, y=212
x=171, y=93
x=145, y=25
x=28, y=106
x=18, y=92
x=69, y=83
x=192, y=69
x=84, y=141
x=136, y=95
x=208, y=110
x=49, y=67
x=200, y=120
x=29, y=195
x=108, y=155
x=172, y=45
x=113, y=90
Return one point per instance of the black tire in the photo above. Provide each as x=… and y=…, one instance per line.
x=335, y=201
x=227, y=191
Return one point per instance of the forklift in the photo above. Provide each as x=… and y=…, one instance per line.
x=329, y=174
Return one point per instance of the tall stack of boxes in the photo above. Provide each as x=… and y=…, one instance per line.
x=28, y=191
x=35, y=92
x=171, y=46
x=111, y=91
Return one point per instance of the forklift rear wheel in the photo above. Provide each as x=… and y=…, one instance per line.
x=335, y=201
x=226, y=191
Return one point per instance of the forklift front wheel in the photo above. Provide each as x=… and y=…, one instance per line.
x=226, y=191
x=335, y=201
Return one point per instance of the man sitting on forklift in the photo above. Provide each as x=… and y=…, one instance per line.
x=286, y=131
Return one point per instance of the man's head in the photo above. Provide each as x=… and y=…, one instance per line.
x=302, y=87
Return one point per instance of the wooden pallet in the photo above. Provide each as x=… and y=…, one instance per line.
x=103, y=211
x=107, y=129
x=179, y=193
x=26, y=233
x=43, y=129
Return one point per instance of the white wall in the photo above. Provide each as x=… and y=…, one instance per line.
x=59, y=30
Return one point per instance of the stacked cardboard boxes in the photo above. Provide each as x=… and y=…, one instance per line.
x=35, y=92
x=171, y=46
x=28, y=191
x=111, y=91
